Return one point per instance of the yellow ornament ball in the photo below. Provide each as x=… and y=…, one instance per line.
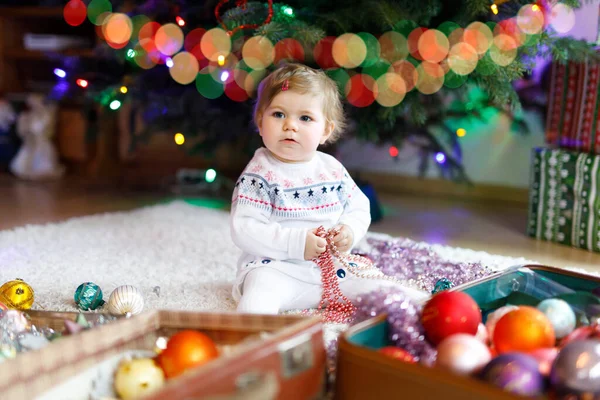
x=137, y=378
x=17, y=295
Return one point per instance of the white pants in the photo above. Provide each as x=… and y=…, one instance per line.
x=267, y=290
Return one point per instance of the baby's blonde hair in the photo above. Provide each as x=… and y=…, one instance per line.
x=303, y=79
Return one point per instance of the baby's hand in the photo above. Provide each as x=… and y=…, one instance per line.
x=343, y=240
x=314, y=246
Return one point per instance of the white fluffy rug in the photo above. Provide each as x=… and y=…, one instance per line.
x=179, y=255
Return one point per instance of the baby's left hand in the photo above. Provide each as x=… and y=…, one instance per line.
x=343, y=240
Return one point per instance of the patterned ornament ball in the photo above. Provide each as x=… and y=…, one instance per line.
x=442, y=285
x=88, y=296
x=560, y=314
x=515, y=372
x=523, y=330
x=493, y=318
x=125, y=300
x=186, y=349
x=398, y=354
x=17, y=295
x=137, y=378
x=575, y=371
x=447, y=313
x=462, y=354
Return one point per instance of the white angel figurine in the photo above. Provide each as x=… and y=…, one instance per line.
x=37, y=158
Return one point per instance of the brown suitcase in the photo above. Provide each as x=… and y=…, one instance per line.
x=268, y=356
x=363, y=373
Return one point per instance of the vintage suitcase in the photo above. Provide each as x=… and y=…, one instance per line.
x=363, y=373
x=279, y=357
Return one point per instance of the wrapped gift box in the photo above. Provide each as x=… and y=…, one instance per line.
x=364, y=373
x=285, y=352
x=572, y=121
x=564, y=200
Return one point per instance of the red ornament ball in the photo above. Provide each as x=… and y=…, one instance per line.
x=185, y=350
x=448, y=313
x=398, y=354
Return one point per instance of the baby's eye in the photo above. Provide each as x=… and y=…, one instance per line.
x=278, y=114
x=305, y=118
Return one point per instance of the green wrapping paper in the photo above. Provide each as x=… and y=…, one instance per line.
x=564, y=198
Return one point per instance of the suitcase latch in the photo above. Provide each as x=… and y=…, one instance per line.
x=296, y=355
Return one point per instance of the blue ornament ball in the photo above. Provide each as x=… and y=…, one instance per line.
x=560, y=314
x=88, y=296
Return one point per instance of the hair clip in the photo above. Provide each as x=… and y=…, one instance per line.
x=285, y=85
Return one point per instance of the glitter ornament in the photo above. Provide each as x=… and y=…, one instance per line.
x=515, y=372
x=575, y=371
x=14, y=322
x=88, y=296
x=186, y=349
x=560, y=314
x=137, y=378
x=403, y=318
x=17, y=295
x=125, y=300
x=448, y=313
x=441, y=285
x=524, y=329
x=494, y=317
x=398, y=354
x=462, y=354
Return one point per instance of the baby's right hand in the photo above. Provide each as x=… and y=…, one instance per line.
x=314, y=245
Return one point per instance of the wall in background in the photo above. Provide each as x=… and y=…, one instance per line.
x=492, y=154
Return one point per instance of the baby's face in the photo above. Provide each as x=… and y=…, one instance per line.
x=293, y=126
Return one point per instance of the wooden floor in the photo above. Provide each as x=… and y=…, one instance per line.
x=496, y=229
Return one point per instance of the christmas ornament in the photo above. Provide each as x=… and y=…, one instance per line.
x=88, y=296
x=3, y=308
x=137, y=378
x=186, y=349
x=448, y=313
x=462, y=354
x=515, y=372
x=398, y=354
x=581, y=333
x=403, y=318
x=482, y=334
x=524, y=329
x=125, y=300
x=494, y=316
x=441, y=285
x=242, y=4
x=560, y=314
x=17, y=295
x=545, y=358
x=575, y=371
x=14, y=322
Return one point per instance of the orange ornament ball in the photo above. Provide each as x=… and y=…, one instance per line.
x=185, y=350
x=523, y=330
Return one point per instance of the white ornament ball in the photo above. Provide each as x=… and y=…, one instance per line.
x=462, y=354
x=124, y=300
x=495, y=316
x=482, y=334
x=560, y=314
x=137, y=378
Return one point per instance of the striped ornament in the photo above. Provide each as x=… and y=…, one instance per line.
x=126, y=300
